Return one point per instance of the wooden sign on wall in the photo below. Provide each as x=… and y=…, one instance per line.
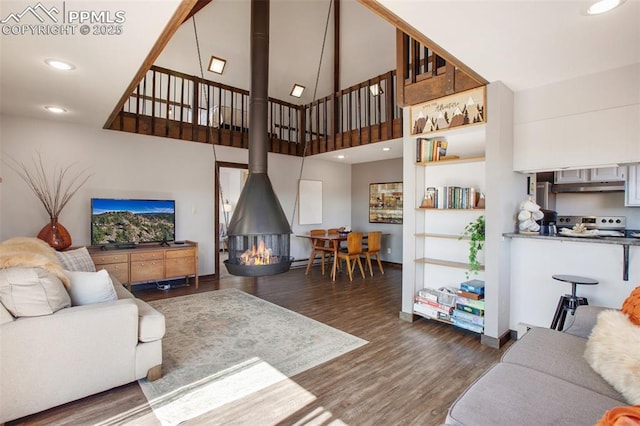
x=461, y=109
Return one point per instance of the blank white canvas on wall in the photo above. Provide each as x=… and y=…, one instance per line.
x=310, y=202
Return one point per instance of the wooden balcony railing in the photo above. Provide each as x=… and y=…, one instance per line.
x=426, y=75
x=171, y=104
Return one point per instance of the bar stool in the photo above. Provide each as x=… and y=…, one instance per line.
x=569, y=302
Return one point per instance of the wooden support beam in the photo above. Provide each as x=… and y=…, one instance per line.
x=182, y=11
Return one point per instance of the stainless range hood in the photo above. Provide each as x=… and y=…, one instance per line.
x=584, y=187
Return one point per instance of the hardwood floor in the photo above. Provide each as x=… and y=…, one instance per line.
x=408, y=373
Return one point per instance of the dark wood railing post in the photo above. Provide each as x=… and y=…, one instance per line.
x=302, y=130
x=389, y=109
x=153, y=101
x=195, y=119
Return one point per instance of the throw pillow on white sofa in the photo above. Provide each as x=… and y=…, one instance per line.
x=76, y=260
x=30, y=292
x=90, y=287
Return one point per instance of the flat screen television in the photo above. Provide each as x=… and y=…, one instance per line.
x=132, y=221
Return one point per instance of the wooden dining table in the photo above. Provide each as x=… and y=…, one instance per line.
x=334, y=240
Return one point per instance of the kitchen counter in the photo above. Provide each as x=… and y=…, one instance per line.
x=624, y=242
x=596, y=240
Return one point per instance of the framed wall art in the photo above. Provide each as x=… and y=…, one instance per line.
x=458, y=110
x=385, y=202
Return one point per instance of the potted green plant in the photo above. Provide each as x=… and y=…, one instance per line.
x=475, y=232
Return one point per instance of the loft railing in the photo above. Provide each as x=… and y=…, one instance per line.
x=419, y=61
x=172, y=104
x=426, y=75
x=359, y=115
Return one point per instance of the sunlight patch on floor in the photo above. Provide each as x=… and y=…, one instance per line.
x=250, y=392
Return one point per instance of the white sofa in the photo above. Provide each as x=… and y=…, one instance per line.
x=76, y=351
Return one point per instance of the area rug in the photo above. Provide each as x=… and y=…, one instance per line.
x=225, y=345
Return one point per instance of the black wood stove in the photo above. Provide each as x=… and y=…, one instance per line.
x=259, y=232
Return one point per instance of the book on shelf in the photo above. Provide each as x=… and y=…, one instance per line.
x=468, y=326
x=435, y=305
x=477, y=304
x=428, y=293
x=431, y=312
x=473, y=286
x=470, y=295
x=450, y=197
x=431, y=149
x=469, y=309
x=466, y=316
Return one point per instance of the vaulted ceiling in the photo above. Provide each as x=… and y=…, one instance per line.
x=524, y=43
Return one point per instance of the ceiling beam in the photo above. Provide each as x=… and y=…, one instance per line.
x=403, y=26
x=179, y=16
x=199, y=5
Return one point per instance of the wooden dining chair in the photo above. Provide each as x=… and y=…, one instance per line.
x=353, y=252
x=318, y=248
x=373, y=249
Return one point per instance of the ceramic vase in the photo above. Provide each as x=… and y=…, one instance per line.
x=55, y=235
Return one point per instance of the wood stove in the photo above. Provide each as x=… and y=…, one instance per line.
x=259, y=232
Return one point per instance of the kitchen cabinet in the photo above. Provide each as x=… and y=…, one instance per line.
x=600, y=174
x=608, y=174
x=632, y=189
x=570, y=176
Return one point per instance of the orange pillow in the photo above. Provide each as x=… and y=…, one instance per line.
x=631, y=306
x=621, y=416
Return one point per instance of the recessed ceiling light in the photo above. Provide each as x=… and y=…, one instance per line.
x=375, y=89
x=340, y=156
x=216, y=65
x=297, y=90
x=59, y=65
x=386, y=148
x=55, y=109
x=603, y=6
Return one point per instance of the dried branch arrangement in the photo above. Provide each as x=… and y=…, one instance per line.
x=53, y=193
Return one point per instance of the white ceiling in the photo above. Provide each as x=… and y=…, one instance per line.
x=527, y=43
x=297, y=30
x=524, y=43
x=105, y=64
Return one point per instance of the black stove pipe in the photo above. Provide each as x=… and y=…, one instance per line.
x=259, y=89
x=258, y=211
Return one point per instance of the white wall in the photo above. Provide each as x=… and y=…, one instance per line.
x=129, y=165
x=376, y=172
x=599, y=204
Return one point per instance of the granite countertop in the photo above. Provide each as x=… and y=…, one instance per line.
x=598, y=240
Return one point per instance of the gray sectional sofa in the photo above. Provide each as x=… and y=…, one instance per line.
x=542, y=379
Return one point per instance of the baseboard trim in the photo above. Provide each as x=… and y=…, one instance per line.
x=302, y=263
x=407, y=317
x=496, y=343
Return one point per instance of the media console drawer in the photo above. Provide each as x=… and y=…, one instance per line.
x=119, y=270
x=147, y=270
x=179, y=266
x=147, y=255
x=103, y=259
